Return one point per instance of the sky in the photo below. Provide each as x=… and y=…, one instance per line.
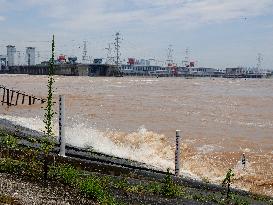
x=217, y=33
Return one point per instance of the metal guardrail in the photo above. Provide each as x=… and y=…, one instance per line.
x=11, y=97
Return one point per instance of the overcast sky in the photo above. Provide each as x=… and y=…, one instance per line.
x=218, y=33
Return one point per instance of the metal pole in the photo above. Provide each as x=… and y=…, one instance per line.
x=33, y=99
x=12, y=91
x=4, y=94
x=8, y=97
x=177, y=153
x=62, y=125
x=29, y=100
x=16, y=102
x=23, y=99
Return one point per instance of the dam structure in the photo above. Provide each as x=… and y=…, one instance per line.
x=66, y=70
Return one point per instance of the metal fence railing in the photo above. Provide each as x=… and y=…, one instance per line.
x=12, y=97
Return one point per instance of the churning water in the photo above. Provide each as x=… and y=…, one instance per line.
x=136, y=118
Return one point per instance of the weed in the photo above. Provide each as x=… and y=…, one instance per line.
x=8, y=141
x=227, y=181
x=92, y=189
x=136, y=188
x=120, y=184
x=154, y=188
x=238, y=200
x=48, y=143
x=170, y=189
x=66, y=174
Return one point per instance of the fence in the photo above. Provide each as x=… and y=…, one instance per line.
x=12, y=97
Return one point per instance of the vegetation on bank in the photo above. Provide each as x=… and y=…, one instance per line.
x=104, y=189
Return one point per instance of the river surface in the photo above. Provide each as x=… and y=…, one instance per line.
x=136, y=118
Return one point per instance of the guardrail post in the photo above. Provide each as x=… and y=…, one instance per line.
x=177, y=153
x=17, y=97
x=8, y=97
x=23, y=99
x=62, y=125
x=11, y=98
x=4, y=94
x=29, y=100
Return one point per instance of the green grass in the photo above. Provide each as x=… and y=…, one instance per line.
x=91, y=186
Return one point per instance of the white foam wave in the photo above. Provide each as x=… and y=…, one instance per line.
x=32, y=123
x=142, y=146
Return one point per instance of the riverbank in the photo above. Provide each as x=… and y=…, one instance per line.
x=125, y=184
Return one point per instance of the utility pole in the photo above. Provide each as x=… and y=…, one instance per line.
x=117, y=48
x=109, y=58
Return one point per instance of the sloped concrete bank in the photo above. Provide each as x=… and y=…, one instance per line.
x=110, y=165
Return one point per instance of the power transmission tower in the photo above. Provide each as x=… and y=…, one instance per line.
x=109, y=58
x=84, y=52
x=186, y=62
x=117, y=48
x=259, y=63
x=170, y=56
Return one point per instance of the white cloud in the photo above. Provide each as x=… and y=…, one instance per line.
x=2, y=18
x=89, y=15
x=96, y=14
